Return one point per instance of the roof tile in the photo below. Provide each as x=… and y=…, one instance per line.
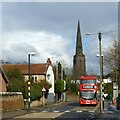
x=35, y=69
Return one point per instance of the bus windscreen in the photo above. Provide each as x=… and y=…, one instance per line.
x=88, y=95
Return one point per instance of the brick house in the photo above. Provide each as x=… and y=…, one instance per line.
x=39, y=72
x=4, y=82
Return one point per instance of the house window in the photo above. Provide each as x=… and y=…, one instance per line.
x=35, y=79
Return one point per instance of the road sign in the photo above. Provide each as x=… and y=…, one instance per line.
x=43, y=89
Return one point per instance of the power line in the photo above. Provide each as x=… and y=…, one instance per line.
x=110, y=32
x=40, y=42
x=56, y=40
x=103, y=32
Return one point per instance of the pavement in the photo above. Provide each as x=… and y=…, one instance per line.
x=15, y=113
x=109, y=112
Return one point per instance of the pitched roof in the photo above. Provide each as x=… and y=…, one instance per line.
x=4, y=75
x=35, y=69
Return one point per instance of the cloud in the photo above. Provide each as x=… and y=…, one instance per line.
x=19, y=44
x=49, y=29
x=17, y=53
x=59, y=18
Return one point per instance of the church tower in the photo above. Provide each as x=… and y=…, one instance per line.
x=79, y=64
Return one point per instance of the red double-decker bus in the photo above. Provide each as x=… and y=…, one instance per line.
x=88, y=90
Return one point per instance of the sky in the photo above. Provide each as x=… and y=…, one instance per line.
x=49, y=29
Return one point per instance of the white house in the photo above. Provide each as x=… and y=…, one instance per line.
x=50, y=79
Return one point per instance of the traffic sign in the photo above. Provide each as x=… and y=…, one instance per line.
x=43, y=89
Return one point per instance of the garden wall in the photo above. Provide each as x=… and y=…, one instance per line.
x=11, y=101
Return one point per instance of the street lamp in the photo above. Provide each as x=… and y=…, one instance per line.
x=100, y=57
x=29, y=82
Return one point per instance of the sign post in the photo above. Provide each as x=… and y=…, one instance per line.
x=43, y=100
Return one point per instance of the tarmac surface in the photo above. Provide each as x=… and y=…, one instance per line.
x=109, y=113
x=15, y=113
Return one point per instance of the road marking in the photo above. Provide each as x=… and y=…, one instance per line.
x=91, y=116
x=57, y=115
x=109, y=112
x=67, y=111
x=91, y=111
x=55, y=111
x=79, y=111
x=44, y=111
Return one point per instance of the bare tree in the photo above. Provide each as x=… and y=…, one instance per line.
x=119, y=61
x=111, y=59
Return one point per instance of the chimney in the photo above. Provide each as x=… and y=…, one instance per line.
x=49, y=61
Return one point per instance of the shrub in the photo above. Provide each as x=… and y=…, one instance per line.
x=36, y=90
x=72, y=88
x=36, y=93
x=59, y=86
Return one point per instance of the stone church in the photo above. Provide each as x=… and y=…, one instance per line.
x=79, y=62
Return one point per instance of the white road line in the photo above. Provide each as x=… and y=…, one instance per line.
x=109, y=112
x=44, y=111
x=55, y=111
x=67, y=111
x=91, y=116
x=91, y=111
x=79, y=111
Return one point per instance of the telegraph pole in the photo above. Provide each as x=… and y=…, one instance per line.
x=100, y=57
x=102, y=84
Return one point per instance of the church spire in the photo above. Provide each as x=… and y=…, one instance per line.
x=78, y=28
x=79, y=41
x=79, y=64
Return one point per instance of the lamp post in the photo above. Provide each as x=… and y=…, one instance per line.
x=100, y=58
x=29, y=82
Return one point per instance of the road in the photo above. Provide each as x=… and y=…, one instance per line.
x=82, y=112
x=70, y=110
